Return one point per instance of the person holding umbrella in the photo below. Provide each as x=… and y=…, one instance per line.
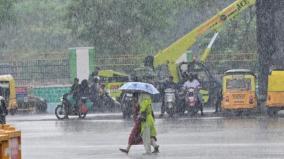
x=148, y=130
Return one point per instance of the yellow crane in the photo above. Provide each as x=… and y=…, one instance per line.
x=170, y=54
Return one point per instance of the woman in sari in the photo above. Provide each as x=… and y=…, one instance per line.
x=134, y=137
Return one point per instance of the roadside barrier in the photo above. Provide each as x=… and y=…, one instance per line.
x=10, y=142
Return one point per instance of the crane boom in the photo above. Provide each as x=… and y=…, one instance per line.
x=205, y=54
x=180, y=46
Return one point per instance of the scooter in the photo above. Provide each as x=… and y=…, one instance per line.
x=170, y=101
x=126, y=105
x=193, y=105
x=68, y=107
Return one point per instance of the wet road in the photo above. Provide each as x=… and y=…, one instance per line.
x=208, y=137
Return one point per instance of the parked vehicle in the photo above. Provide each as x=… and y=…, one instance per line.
x=126, y=105
x=193, y=105
x=106, y=103
x=275, y=92
x=8, y=92
x=170, y=101
x=112, y=81
x=3, y=110
x=32, y=104
x=239, y=91
x=69, y=107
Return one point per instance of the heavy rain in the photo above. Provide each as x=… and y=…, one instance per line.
x=141, y=79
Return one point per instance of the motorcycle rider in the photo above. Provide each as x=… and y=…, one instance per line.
x=193, y=82
x=168, y=84
x=75, y=88
x=84, y=91
x=74, y=91
x=94, y=90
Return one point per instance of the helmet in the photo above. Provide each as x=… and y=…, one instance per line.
x=190, y=76
x=96, y=79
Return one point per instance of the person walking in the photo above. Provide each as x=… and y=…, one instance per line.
x=148, y=129
x=134, y=137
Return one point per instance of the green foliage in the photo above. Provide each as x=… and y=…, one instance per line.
x=7, y=16
x=119, y=26
x=114, y=26
x=238, y=35
x=6, y=11
x=40, y=28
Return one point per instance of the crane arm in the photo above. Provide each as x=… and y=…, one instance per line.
x=180, y=46
x=205, y=54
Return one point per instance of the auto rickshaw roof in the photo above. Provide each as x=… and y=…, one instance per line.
x=111, y=73
x=6, y=78
x=239, y=71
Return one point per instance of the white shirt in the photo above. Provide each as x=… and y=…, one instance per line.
x=194, y=84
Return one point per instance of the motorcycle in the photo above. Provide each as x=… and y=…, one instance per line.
x=106, y=103
x=126, y=105
x=170, y=101
x=68, y=107
x=193, y=105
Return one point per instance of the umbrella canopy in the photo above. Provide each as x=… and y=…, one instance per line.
x=139, y=86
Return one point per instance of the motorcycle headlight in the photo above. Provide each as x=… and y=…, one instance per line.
x=170, y=98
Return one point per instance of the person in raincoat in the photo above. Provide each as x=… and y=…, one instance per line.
x=148, y=129
x=134, y=137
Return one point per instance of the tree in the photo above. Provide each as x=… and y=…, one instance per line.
x=119, y=26
x=40, y=28
x=6, y=16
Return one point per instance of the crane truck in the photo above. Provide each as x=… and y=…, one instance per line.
x=167, y=58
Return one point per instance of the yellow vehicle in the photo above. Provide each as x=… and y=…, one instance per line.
x=8, y=91
x=170, y=55
x=113, y=80
x=275, y=92
x=239, y=90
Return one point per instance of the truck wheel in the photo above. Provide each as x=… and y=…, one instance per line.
x=239, y=113
x=247, y=112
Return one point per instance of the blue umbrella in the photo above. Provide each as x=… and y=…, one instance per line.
x=139, y=86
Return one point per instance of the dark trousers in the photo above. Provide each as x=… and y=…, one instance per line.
x=163, y=108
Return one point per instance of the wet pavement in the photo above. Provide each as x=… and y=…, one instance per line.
x=101, y=135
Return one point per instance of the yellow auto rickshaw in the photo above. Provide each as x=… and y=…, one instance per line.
x=112, y=81
x=275, y=92
x=239, y=90
x=8, y=91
